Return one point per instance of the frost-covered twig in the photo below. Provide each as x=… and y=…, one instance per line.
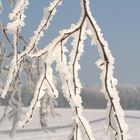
x=49, y=12
x=67, y=65
x=80, y=123
x=69, y=71
x=44, y=84
x=14, y=27
x=115, y=116
x=39, y=93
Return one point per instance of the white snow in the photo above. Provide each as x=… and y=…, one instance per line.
x=60, y=126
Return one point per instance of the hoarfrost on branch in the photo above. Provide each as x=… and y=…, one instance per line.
x=46, y=90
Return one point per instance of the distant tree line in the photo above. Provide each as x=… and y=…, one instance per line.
x=92, y=97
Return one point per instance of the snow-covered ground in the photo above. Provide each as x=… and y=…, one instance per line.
x=60, y=126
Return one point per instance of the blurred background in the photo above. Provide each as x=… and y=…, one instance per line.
x=120, y=24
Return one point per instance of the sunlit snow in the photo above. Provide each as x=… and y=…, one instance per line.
x=60, y=126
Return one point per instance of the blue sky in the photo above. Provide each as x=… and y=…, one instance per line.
x=120, y=24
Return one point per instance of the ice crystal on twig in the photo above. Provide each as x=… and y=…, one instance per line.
x=67, y=67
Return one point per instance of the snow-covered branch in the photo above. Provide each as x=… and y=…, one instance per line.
x=116, y=123
x=14, y=28
x=18, y=21
x=67, y=66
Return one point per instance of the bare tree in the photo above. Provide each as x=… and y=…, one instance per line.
x=37, y=64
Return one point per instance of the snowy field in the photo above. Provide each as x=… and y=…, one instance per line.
x=60, y=126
